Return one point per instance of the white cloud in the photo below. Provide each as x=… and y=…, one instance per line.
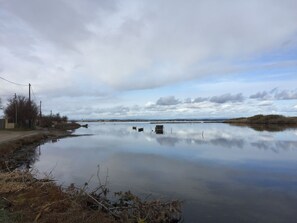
x=265, y=103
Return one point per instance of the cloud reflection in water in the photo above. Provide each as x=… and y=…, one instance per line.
x=222, y=175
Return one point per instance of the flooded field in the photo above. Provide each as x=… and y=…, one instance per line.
x=222, y=173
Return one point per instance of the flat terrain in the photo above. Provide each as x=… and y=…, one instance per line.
x=7, y=136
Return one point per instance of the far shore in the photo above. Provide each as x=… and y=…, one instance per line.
x=257, y=119
x=156, y=121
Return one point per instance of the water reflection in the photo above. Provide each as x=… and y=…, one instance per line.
x=23, y=158
x=223, y=173
x=230, y=139
x=269, y=128
x=272, y=145
x=276, y=146
x=167, y=140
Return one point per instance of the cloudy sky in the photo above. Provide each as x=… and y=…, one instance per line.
x=151, y=59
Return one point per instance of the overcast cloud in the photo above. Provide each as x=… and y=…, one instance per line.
x=260, y=95
x=171, y=100
x=102, y=51
x=227, y=98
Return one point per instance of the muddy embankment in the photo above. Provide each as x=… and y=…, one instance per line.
x=19, y=150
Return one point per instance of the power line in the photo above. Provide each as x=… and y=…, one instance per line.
x=5, y=95
x=13, y=82
x=33, y=93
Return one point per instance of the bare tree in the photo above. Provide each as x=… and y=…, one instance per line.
x=48, y=120
x=21, y=111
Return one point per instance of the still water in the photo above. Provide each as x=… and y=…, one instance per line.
x=222, y=173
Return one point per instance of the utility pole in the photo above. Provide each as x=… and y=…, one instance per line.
x=40, y=109
x=30, y=103
x=16, y=109
x=30, y=93
x=40, y=114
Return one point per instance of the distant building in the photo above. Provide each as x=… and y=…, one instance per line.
x=6, y=124
x=9, y=125
x=2, y=123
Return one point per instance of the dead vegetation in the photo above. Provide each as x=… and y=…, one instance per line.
x=24, y=198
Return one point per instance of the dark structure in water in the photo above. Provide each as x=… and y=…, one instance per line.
x=85, y=126
x=159, y=129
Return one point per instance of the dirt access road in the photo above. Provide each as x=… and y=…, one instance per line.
x=7, y=136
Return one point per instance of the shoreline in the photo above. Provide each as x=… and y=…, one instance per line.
x=16, y=150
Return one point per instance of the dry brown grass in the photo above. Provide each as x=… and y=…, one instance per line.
x=43, y=201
